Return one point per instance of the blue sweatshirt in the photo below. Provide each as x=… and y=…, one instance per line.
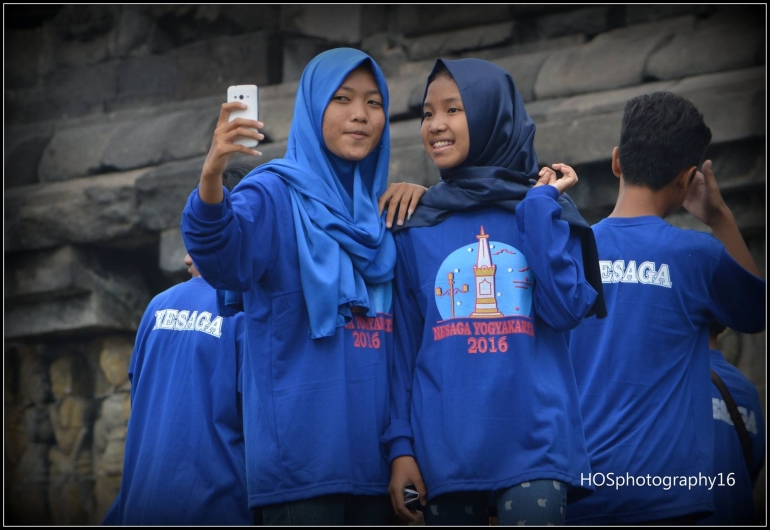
x=314, y=409
x=643, y=372
x=734, y=489
x=184, y=458
x=484, y=396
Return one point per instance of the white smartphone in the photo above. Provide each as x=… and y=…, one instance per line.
x=248, y=95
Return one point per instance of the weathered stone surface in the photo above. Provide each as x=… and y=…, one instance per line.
x=169, y=137
x=347, y=24
x=209, y=67
x=252, y=17
x=35, y=383
x=70, y=490
x=162, y=193
x=728, y=40
x=115, y=412
x=406, y=95
x=84, y=292
x=408, y=160
x=24, y=147
x=37, y=425
x=16, y=440
x=612, y=60
x=147, y=78
x=77, y=91
x=411, y=20
x=524, y=69
x=75, y=152
x=133, y=29
x=106, y=489
x=579, y=141
x=82, y=22
x=276, y=110
x=583, y=129
x=87, y=313
x=732, y=103
x=570, y=108
x=388, y=50
x=80, y=53
x=146, y=136
x=29, y=490
x=644, y=13
x=115, y=358
x=88, y=210
x=432, y=46
x=587, y=20
x=552, y=44
x=69, y=377
x=299, y=51
x=411, y=164
x=22, y=58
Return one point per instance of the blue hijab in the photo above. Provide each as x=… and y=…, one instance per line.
x=346, y=255
x=501, y=163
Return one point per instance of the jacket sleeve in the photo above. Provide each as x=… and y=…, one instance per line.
x=737, y=297
x=408, y=325
x=231, y=243
x=562, y=295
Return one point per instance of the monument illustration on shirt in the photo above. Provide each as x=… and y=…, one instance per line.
x=501, y=279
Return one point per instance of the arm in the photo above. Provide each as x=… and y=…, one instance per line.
x=705, y=203
x=222, y=150
x=402, y=198
x=231, y=243
x=562, y=295
x=408, y=328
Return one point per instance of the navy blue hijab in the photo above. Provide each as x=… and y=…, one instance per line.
x=346, y=254
x=501, y=161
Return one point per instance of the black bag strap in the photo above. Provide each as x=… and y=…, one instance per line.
x=732, y=408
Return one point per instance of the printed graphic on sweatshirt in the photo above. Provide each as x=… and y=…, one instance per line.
x=482, y=281
x=176, y=320
x=646, y=273
x=720, y=411
x=369, y=333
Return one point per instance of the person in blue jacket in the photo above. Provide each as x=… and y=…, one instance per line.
x=491, y=274
x=734, y=488
x=301, y=244
x=643, y=372
x=184, y=460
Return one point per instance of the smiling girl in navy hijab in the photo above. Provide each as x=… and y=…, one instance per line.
x=491, y=274
x=302, y=241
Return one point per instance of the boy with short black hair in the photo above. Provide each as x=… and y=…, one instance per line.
x=643, y=372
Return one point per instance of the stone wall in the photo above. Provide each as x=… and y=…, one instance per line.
x=109, y=112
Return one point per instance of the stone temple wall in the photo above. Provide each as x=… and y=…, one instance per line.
x=109, y=112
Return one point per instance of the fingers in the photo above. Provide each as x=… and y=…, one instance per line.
x=409, y=202
x=400, y=200
x=385, y=198
x=403, y=206
x=419, y=485
x=399, y=507
x=226, y=109
x=568, y=179
x=708, y=172
x=545, y=176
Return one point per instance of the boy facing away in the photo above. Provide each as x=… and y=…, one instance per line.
x=643, y=372
x=734, y=495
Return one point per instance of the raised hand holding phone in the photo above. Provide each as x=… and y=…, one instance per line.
x=231, y=135
x=249, y=96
